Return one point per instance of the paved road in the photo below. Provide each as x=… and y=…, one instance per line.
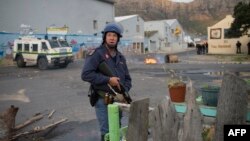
x=59, y=89
x=64, y=91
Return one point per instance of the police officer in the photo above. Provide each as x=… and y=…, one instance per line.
x=109, y=53
x=238, y=45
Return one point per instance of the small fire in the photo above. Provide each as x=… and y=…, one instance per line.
x=150, y=61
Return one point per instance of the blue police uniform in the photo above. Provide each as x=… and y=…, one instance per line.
x=91, y=74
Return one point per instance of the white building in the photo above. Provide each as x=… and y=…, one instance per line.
x=218, y=43
x=133, y=26
x=164, y=35
x=81, y=16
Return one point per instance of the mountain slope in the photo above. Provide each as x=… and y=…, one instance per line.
x=194, y=16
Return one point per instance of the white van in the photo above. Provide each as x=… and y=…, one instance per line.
x=42, y=52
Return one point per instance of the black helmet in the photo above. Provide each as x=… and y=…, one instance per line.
x=113, y=27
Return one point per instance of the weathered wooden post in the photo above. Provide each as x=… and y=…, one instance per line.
x=138, y=121
x=7, y=123
x=232, y=104
x=192, y=128
x=165, y=122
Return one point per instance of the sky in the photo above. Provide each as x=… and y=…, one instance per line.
x=186, y=1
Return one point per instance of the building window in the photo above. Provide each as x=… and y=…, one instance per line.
x=95, y=25
x=35, y=47
x=134, y=46
x=137, y=28
x=26, y=47
x=138, y=46
x=226, y=35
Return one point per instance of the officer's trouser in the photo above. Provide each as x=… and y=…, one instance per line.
x=102, y=116
x=238, y=50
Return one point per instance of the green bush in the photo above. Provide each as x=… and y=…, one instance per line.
x=248, y=81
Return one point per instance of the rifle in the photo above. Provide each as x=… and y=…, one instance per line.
x=104, y=69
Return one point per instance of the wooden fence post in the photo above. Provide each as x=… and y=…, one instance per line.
x=138, y=121
x=232, y=104
x=165, y=122
x=192, y=127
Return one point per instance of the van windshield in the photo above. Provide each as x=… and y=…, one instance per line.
x=63, y=43
x=54, y=43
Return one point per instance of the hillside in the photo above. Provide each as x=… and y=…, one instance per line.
x=194, y=16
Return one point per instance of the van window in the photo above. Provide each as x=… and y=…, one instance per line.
x=64, y=43
x=34, y=47
x=54, y=43
x=44, y=46
x=19, y=47
x=26, y=47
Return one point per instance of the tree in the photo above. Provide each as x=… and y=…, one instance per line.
x=241, y=23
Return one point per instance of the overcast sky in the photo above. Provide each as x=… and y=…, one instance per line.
x=182, y=0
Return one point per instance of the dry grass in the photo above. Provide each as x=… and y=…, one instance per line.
x=241, y=58
x=6, y=62
x=236, y=58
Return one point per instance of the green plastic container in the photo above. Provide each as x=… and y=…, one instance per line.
x=210, y=95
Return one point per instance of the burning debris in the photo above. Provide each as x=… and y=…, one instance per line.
x=150, y=60
x=161, y=58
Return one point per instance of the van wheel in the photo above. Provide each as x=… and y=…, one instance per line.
x=20, y=62
x=42, y=63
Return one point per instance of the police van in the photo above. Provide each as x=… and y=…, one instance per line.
x=42, y=52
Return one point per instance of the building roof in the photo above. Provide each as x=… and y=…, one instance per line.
x=150, y=33
x=170, y=21
x=122, y=18
x=226, y=22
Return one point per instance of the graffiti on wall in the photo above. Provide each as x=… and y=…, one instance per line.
x=77, y=42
